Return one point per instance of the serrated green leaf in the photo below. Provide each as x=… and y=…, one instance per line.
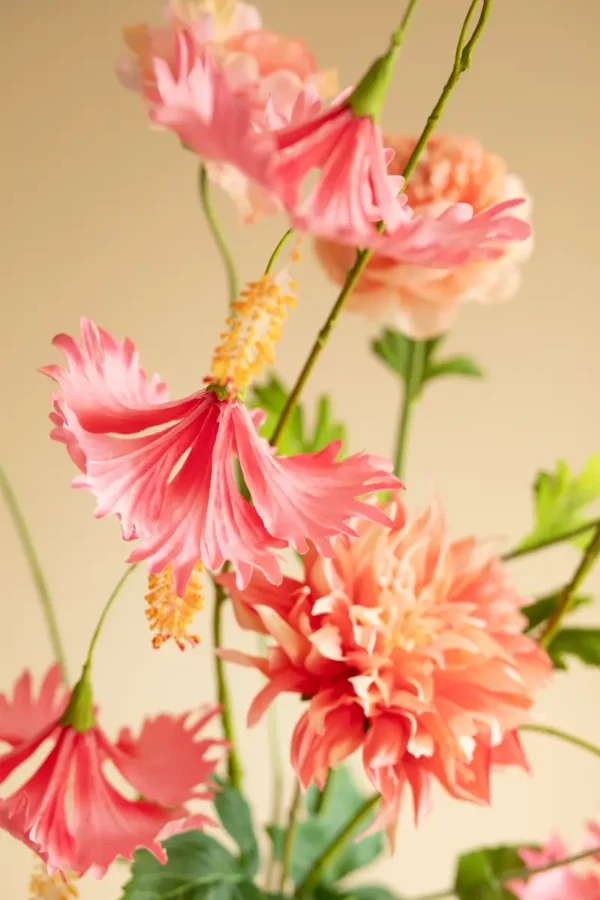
x=454, y=365
x=582, y=643
x=296, y=438
x=541, y=610
x=197, y=868
x=236, y=818
x=343, y=800
x=560, y=499
x=479, y=873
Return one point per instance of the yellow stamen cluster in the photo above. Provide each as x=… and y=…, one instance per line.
x=253, y=329
x=51, y=887
x=171, y=616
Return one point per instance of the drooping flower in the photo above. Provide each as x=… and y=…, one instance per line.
x=409, y=647
x=569, y=882
x=174, y=488
x=423, y=301
x=70, y=812
x=44, y=886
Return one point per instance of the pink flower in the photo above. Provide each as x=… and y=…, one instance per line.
x=563, y=883
x=68, y=810
x=419, y=300
x=356, y=190
x=175, y=488
x=409, y=647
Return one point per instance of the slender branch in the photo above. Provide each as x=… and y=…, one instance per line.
x=461, y=63
x=234, y=768
x=278, y=250
x=414, y=377
x=566, y=598
x=128, y=571
x=335, y=847
x=217, y=234
x=398, y=36
x=277, y=780
x=563, y=736
x=550, y=542
x=522, y=874
x=39, y=578
x=321, y=804
x=290, y=837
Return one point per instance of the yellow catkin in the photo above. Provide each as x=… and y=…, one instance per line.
x=51, y=887
x=253, y=329
x=171, y=616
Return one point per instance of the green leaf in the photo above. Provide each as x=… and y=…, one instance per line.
x=342, y=801
x=560, y=499
x=296, y=438
x=369, y=892
x=541, y=610
x=479, y=873
x=236, y=819
x=454, y=365
x=583, y=643
x=197, y=868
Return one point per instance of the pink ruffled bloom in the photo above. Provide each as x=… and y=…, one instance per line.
x=356, y=189
x=175, y=487
x=422, y=301
x=409, y=647
x=564, y=883
x=68, y=811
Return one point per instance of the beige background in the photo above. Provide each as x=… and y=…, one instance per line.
x=100, y=217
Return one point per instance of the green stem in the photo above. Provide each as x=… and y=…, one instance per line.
x=398, y=36
x=234, y=768
x=278, y=250
x=462, y=60
x=566, y=598
x=277, y=779
x=413, y=380
x=522, y=874
x=563, y=736
x=106, y=611
x=36, y=571
x=550, y=542
x=336, y=846
x=217, y=234
x=290, y=837
x=321, y=804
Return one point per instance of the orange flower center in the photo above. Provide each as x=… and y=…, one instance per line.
x=44, y=886
x=169, y=615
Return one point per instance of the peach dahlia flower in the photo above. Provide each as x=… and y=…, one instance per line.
x=422, y=301
x=407, y=646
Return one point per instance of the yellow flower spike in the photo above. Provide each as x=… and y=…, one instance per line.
x=44, y=886
x=171, y=616
x=249, y=344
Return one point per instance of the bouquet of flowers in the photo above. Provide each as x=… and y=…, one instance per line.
x=408, y=648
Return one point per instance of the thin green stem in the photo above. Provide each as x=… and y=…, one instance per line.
x=398, y=35
x=414, y=378
x=321, y=804
x=277, y=779
x=20, y=524
x=217, y=234
x=461, y=63
x=336, y=846
x=522, y=874
x=518, y=552
x=290, y=837
x=128, y=571
x=569, y=591
x=563, y=736
x=234, y=768
x=278, y=250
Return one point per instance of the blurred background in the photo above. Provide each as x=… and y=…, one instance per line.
x=100, y=217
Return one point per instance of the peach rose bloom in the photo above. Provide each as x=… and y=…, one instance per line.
x=419, y=301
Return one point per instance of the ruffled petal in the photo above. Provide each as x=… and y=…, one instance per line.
x=23, y=716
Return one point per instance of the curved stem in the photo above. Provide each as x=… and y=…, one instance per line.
x=290, y=837
x=400, y=32
x=336, y=846
x=563, y=736
x=234, y=768
x=106, y=611
x=217, y=234
x=462, y=61
x=550, y=542
x=20, y=524
x=278, y=250
x=566, y=598
x=414, y=377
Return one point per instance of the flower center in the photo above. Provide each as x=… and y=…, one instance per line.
x=44, y=886
x=253, y=329
x=169, y=615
